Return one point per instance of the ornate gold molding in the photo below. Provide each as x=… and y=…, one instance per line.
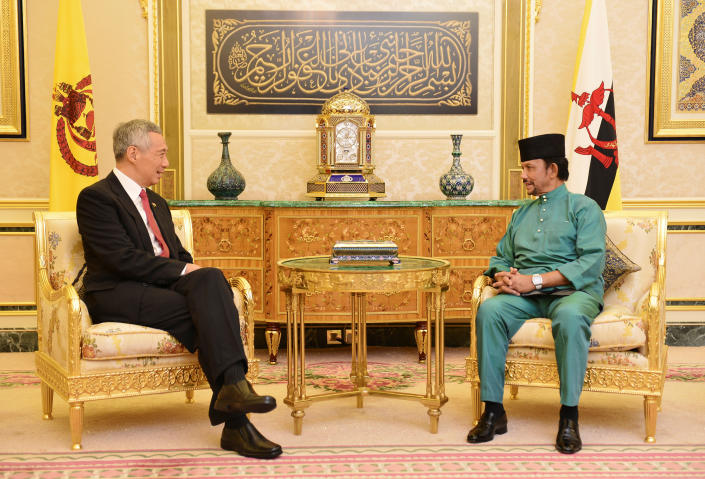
x=518, y=25
x=29, y=203
x=663, y=203
x=168, y=89
x=143, y=6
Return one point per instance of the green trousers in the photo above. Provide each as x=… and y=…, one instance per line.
x=501, y=316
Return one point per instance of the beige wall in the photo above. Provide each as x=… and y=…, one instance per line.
x=411, y=152
x=653, y=170
x=116, y=35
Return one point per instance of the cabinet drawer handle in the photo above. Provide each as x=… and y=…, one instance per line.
x=224, y=245
x=468, y=244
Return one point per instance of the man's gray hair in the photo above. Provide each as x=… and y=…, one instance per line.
x=133, y=132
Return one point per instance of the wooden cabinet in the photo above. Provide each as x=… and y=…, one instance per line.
x=247, y=238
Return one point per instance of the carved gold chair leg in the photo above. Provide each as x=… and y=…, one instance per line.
x=513, y=391
x=420, y=332
x=476, y=403
x=76, y=423
x=650, y=413
x=47, y=401
x=272, y=336
x=189, y=396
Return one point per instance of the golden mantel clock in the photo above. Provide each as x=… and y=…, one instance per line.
x=345, y=132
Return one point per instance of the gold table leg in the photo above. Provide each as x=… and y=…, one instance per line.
x=296, y=359
x=435, y=377
x=358, y=369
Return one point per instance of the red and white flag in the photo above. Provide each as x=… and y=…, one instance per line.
x=591, y=137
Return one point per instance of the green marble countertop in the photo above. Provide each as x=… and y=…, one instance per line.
x=343, y=204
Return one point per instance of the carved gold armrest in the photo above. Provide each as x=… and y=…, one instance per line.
x=656, y=325
x=481, y=282
x=244, y=302
x=59, y=323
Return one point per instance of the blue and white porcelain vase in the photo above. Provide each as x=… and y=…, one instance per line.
x=456, y=184
x=225, y=183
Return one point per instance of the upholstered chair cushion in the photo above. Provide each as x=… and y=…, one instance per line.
x=613, y=358
x=617, y=264
x=615, y=329
x=123, y=340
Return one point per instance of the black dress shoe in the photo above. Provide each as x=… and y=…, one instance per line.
x=248, y=441
x=568, y=438
x=241, y=397
x=489, y=425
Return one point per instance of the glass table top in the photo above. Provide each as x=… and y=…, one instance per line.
x=322, y=263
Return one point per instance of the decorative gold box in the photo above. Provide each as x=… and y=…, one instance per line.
x=365, y=252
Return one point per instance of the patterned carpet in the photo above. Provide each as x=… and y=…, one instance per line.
x=642, y=462
x=333, y=375
x=610, y=459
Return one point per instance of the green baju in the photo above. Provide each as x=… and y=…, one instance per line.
x=560, y=231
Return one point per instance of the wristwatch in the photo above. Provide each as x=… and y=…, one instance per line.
x=537, y=280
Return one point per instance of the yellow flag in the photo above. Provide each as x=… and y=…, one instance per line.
x=73, y=160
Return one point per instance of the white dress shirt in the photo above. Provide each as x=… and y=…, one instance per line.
x=133, y=191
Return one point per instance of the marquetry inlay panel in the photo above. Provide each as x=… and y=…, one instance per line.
x=316, y=236
x=467, y=235
x=227, y=236
x=459, y=293
x=339, y=303
x=247, y=239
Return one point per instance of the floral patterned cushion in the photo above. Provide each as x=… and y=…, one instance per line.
x=637, y=238
x=611, y=358
x=615, y=329
x=617, y=264
x=90, y=366
x=121, y=340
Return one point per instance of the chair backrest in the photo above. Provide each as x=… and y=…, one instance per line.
x=641, y=236
x=59, y=248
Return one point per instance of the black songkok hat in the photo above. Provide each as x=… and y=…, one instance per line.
x=549, y=147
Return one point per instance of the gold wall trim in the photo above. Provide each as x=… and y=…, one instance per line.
x=168, y=73
x=518, y=23
x=685, y=308
x=661, y=203
x=33, y=204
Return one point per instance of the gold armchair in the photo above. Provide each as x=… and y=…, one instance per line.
x=81, y=361
x=627, y=351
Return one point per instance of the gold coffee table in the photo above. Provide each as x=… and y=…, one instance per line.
x=301, y=276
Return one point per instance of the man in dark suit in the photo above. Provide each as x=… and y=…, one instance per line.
x=138, y=272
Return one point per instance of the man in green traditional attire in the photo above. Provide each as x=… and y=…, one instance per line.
x=548, y=265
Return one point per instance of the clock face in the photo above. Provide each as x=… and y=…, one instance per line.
x=346, y=142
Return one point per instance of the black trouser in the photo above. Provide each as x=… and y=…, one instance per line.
x=197, y=309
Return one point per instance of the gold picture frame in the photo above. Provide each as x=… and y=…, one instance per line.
x=675, y=103
x=13, y=92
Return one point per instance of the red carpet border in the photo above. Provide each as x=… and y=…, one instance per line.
x=461, y=461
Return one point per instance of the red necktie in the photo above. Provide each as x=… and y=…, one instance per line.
x=153, y=224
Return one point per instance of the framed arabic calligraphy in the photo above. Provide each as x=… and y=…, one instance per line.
x=13, y=100
x=292, y=61
x=676, y=97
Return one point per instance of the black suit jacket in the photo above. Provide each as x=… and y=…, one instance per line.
x=116, y=243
